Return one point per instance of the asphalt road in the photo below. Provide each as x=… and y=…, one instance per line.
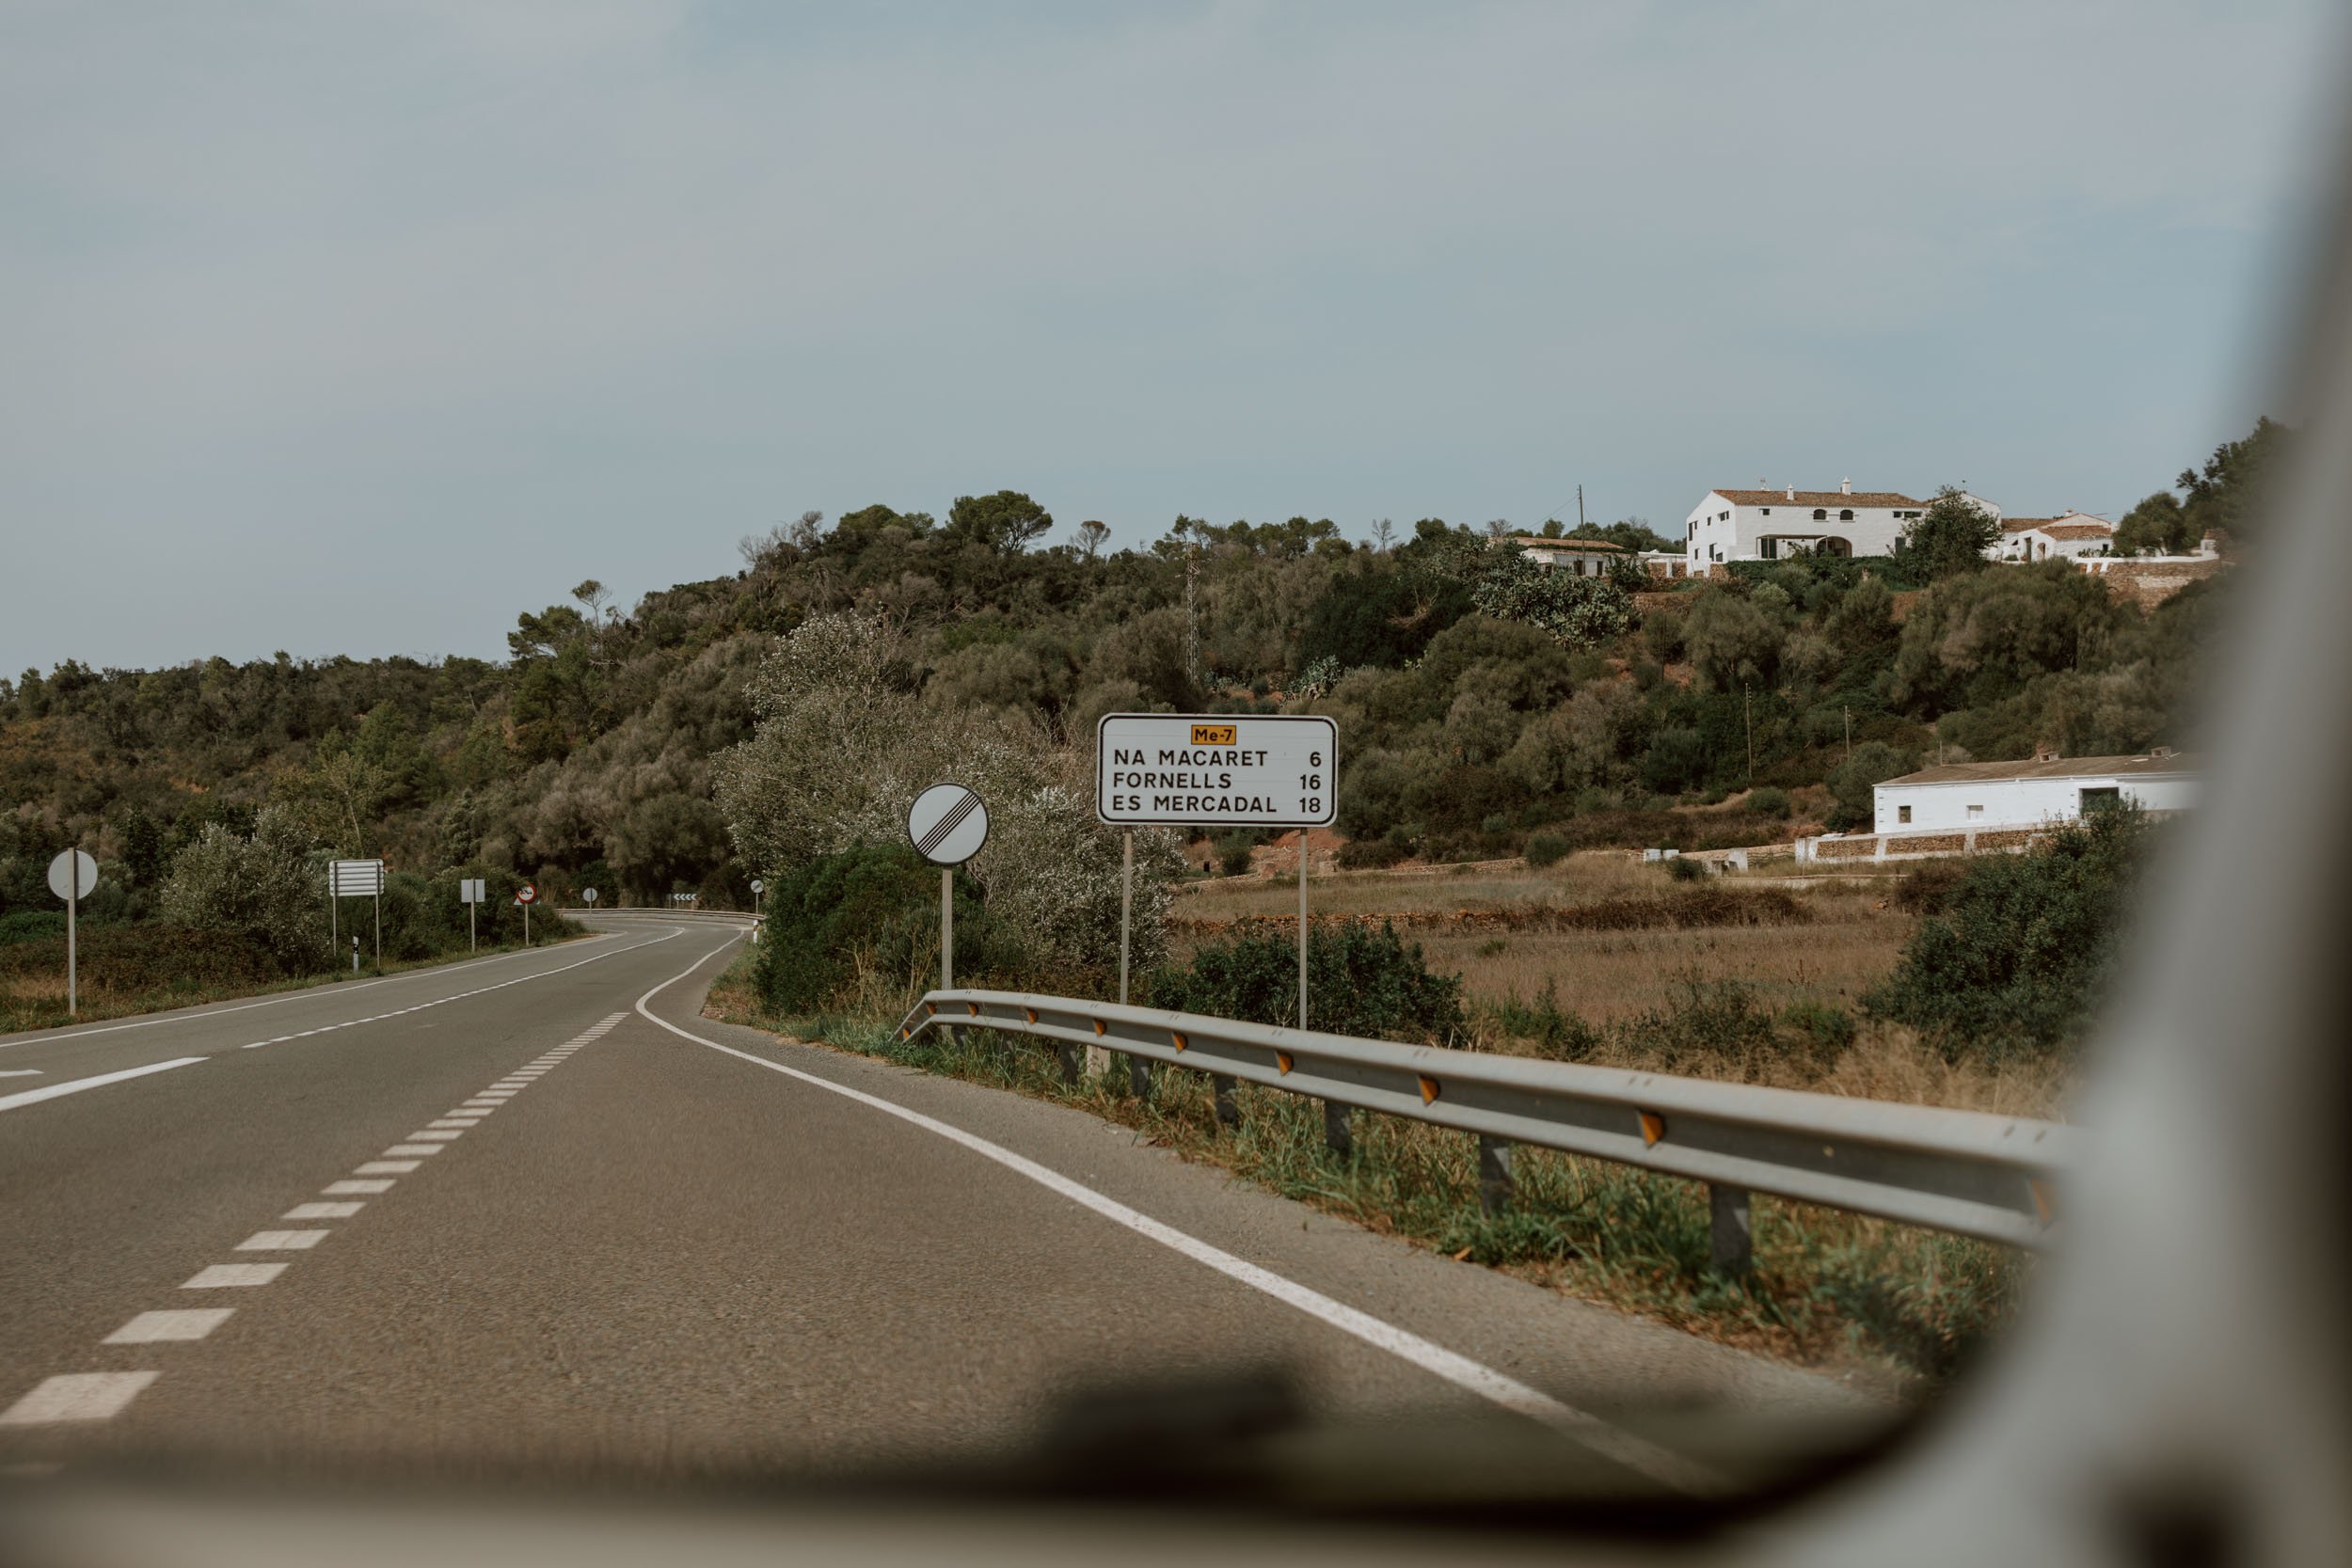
x=533, y=1213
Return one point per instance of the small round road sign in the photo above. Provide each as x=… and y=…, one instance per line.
x=62, y=875
x=587, y=896
x=758, y=886
x=948, y=824
x=526, y=895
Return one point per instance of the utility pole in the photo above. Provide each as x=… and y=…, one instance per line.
x=1580, y=509
x=1849, y=733
x=1192, y=612
x=1748, y=718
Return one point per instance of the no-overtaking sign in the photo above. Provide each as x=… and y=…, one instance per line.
x=1243, y=770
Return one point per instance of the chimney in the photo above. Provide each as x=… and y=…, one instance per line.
x=2046, y=754
x=1793, y=492
x=2159, y=751
x=1845, y=486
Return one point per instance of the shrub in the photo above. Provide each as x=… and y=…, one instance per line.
x=1233, y=851
x=868, y=909
x=1682, y=868
x=1360, y=981
x=268, y=888
x=138, y=960
x=1562, y=1036
x=1927, y=888
x=1768, y=801
x=1545, y=850
x=2025, y=946
x=1369, y=854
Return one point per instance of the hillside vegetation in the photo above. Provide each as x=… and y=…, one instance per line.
x=711, y=732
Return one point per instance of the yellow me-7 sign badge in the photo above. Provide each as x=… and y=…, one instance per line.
x=1187, y=769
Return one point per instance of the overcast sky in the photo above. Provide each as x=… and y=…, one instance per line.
x=359, y=329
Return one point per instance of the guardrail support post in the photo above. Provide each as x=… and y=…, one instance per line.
x=1139, y=1078
x=1731, y=1230
x=1494, y=1175
x=1071, y=1075
x=1227, y=1111
x=1338, y=1137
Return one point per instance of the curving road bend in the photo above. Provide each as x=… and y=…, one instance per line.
x=534, y=1213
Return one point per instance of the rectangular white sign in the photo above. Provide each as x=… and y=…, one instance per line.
x=470, y=890
x=1217, y=769
x=355, y=878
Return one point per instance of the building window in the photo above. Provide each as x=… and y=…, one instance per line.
x=1820, y=515
x=1768, y=549
x=1765, y=510
x=2105, y=799
x=1975, y=812
x=1902, y=815
x=1846, y=514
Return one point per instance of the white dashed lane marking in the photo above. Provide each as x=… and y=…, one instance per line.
x=100, y=1396
x=153, y=1329
x=227, y=1276
x=77, y=1397
x=282, y=1241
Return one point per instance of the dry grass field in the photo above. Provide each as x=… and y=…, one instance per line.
x=1848, y=943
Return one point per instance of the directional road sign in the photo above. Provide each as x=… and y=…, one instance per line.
x=355, y=878
x=473, y=890
x=62, y=877
x=1217, y=769
x=948, y=824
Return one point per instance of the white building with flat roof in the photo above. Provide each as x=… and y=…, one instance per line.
x=1583, y=558
x=1772, y=524
x=1958, y=796
x=2067, y=537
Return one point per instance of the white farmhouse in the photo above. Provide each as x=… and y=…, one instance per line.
x=1585, y=557
x=1959, y=796
x=1769, y=524
x=2068, y=537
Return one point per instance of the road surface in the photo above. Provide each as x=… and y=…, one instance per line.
x=534, y=1213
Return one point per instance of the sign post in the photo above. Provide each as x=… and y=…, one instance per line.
x=73, y=876
x=355, y=880
x=526, y=895
x=471, y=893
x=948, y=824
x=1219, y=770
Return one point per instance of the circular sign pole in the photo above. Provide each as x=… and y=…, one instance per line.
x=72, y=875
x=948, y=825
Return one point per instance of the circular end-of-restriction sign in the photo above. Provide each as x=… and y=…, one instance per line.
x=526, y=895
x=587, y=896
x=948, y=824
x=71, y=866
x=758, y=886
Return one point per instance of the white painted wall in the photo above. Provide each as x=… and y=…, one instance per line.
x=1716, y=530
x=2018, y=802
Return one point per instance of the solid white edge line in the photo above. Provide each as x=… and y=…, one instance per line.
x=1635, y=1453
x=33, y=1097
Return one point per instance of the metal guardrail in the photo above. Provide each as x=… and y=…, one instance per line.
x=1967, y=1172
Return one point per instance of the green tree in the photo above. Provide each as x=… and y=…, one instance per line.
x=268, y=888
x=2157, y=525
x=1852, y=782
x=1003, y=522
x=1952, y=533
